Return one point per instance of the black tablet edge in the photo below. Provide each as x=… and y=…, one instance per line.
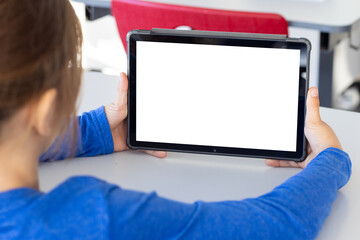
x=302, y=158
x=309, y=48
x=304, y=152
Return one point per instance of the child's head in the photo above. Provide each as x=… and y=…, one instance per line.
x=40, y=55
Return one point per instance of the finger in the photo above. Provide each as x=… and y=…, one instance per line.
x=272, y=163
x=159, y=154
x=312, y=107
x=121, y=94
x=281, y=163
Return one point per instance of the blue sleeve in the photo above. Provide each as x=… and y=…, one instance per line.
x=93, y=138
x=294, y=210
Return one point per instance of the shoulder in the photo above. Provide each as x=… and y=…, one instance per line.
x=79, y=201
x=76, y=209
x=80, y=191
x=83, y=182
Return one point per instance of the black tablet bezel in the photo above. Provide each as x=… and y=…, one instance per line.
x=300, y=44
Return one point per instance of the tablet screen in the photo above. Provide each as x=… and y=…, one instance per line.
x=213, y=95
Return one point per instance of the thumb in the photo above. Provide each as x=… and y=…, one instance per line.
x=121, y=93
x=312, y=107
x=116, y=111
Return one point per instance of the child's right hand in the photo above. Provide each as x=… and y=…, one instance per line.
x=319, y=135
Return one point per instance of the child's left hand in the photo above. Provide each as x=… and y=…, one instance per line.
x=116, y=113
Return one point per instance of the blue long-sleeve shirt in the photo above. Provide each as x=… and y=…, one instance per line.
x=93, y=138
x=89, y=208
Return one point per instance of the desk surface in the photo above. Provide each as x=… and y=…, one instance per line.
x=323, y=15
x=191, y=177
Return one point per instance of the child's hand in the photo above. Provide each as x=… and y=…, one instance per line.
x=320, y=136
x=116, y=113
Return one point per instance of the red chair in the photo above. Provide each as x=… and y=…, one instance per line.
x=135, y=14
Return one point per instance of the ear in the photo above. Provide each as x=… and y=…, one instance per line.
x=45, y=111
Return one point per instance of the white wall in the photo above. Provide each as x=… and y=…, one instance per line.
x=346, y=68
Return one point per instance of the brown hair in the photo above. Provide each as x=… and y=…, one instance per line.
x=40, y=49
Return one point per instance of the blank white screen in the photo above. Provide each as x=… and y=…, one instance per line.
x=227, y=96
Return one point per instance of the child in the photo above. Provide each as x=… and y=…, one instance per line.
x=40, y=72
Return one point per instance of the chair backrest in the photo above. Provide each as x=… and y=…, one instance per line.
x=135, y=14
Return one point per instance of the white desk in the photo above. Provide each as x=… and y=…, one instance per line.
x=190, y=177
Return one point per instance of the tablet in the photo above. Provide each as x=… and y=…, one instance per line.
x=217, y=93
